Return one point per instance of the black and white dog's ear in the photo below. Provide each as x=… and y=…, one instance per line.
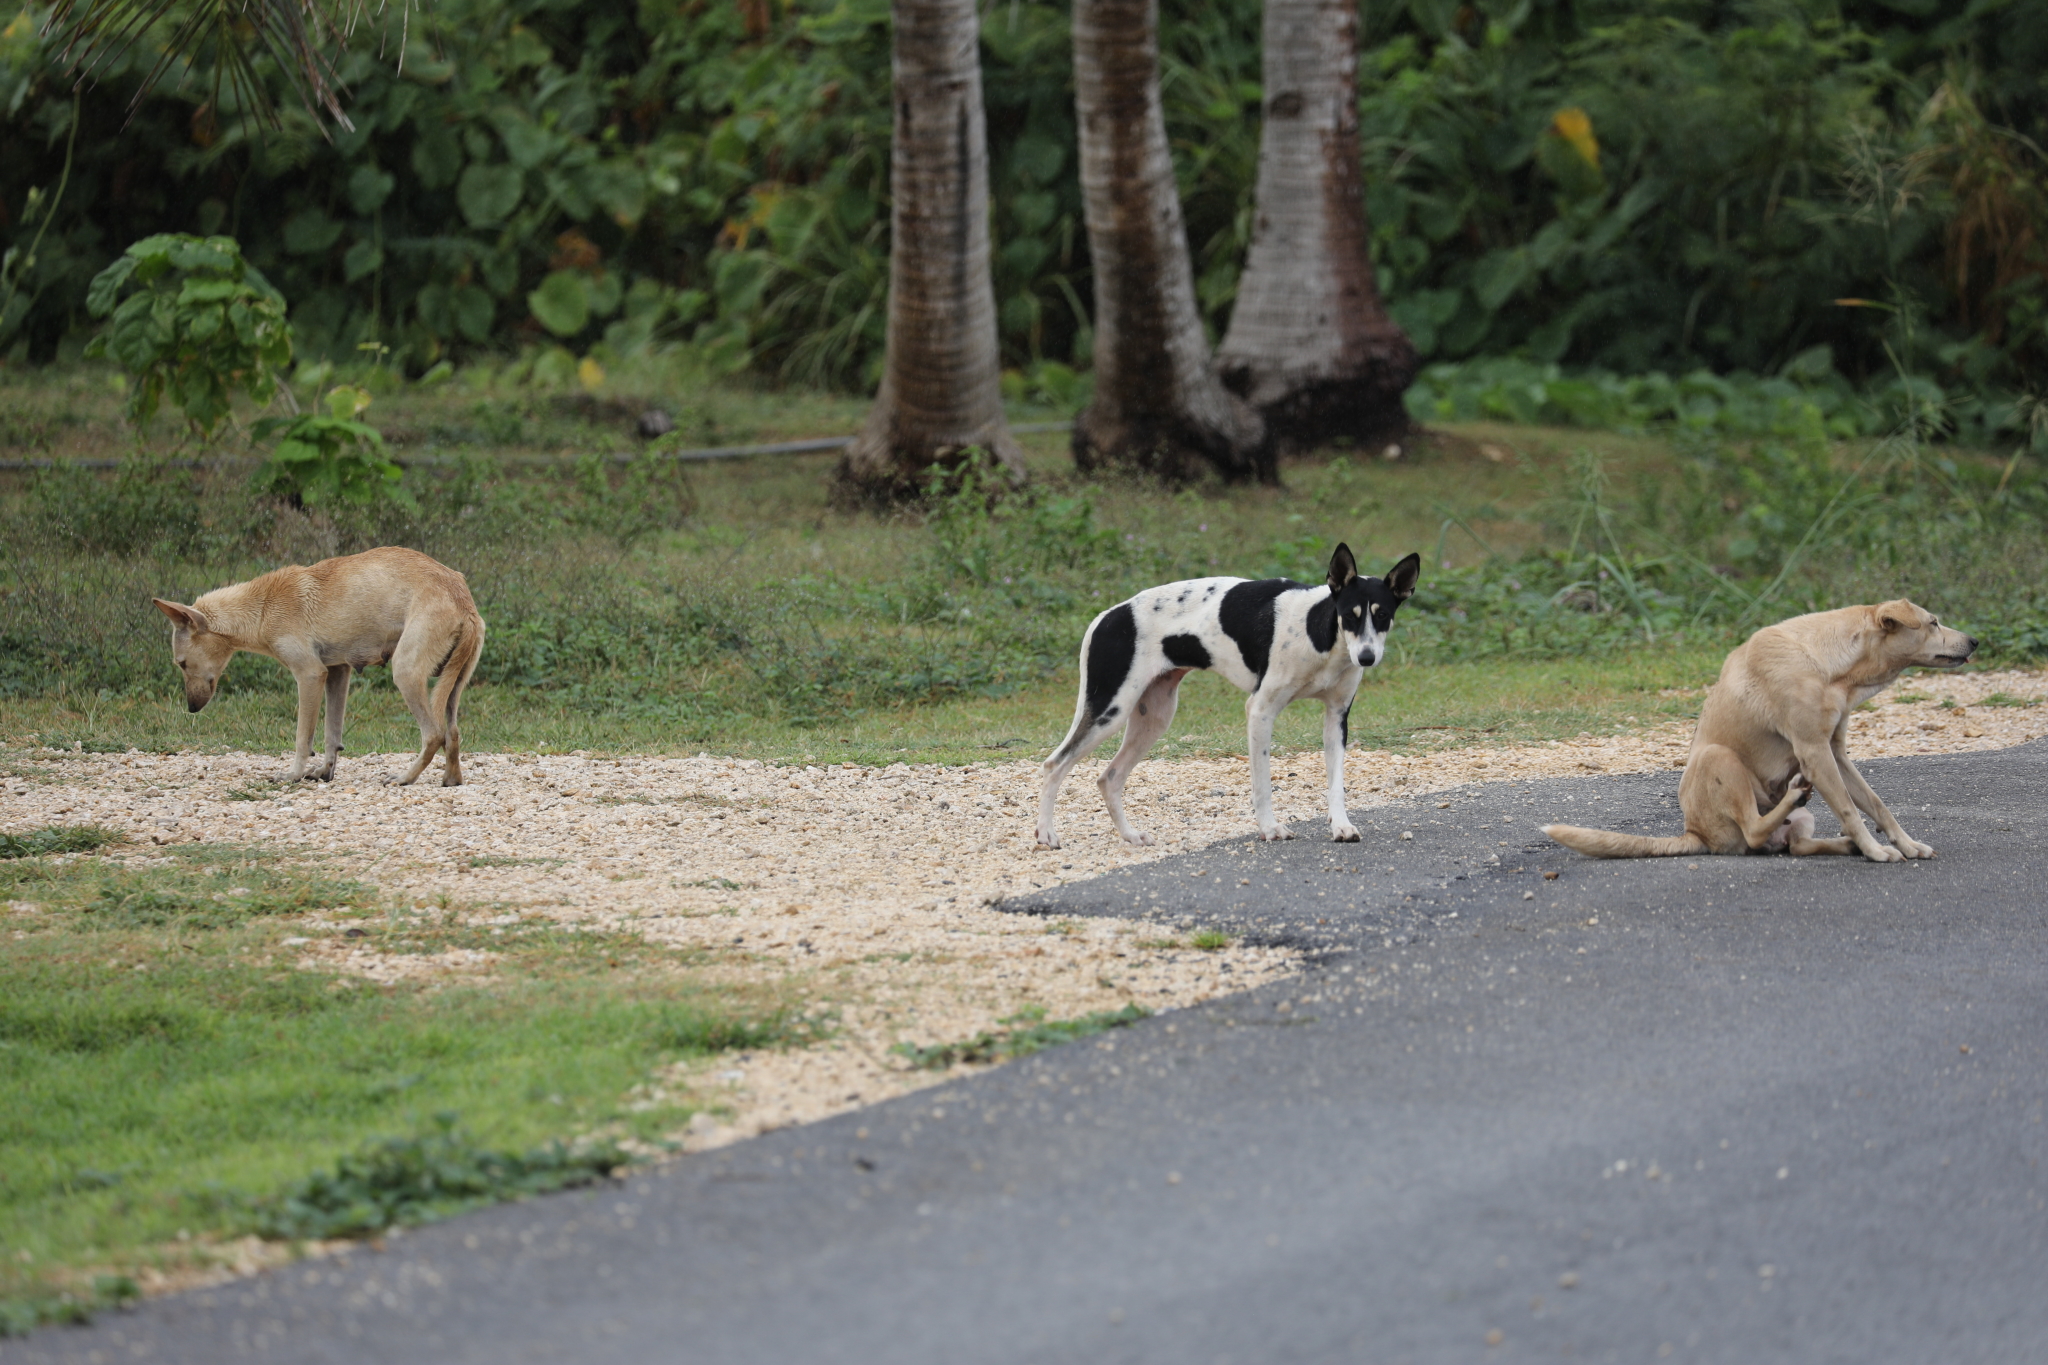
x=1401, y=579
x=1343, y=568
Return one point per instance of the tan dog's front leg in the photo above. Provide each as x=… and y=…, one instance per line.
x=1874, y=806
x=1818, y=763
x=337, y=708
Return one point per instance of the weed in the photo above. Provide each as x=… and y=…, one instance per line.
x=258, y=791
x=1035, y=1034
x=1210, y=940
x=499, y=860
x=59, y=839
x=22, y=1315
x=2007, y=699
x=412, y=1180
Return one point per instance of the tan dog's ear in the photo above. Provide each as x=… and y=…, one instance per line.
x=1894, y=617
x=189, y=617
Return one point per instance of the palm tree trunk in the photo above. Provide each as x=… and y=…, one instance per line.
x=941, y=390
x=1309, y=344
x=1158, y=407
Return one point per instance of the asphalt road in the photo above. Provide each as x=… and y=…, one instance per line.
x=1738, y=1110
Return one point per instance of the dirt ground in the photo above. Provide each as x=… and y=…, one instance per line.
x=865, y=891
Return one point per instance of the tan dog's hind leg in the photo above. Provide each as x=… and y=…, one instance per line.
x=1818, y=763
x=337, y=708
x=410, y=672
x=1150, y=716
x=1772, y=828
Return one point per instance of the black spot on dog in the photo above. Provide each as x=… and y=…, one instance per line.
x=1111, y=650
x=1186, y=651
x=1322, y=624
x=1246, y=615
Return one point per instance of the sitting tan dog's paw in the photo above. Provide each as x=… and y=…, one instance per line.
x=1913, y=848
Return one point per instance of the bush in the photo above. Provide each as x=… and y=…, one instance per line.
x=201, y=324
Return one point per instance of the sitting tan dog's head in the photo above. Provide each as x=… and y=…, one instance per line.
x=199, y=652
x=1913, y=637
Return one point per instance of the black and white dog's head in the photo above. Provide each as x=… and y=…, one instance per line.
x=1366, y=606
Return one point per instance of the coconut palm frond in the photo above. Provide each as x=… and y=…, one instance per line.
x=299, y=35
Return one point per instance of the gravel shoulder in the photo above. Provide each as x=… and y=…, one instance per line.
x=871, y=893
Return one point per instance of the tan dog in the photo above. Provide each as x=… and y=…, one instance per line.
x=1775, y=724
x=339, y=615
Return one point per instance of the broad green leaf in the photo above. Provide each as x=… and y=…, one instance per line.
x=369, y=187
x=562, y=304
x=362, y=258
x=310, y=232
x=488, y=194
x=475, y=311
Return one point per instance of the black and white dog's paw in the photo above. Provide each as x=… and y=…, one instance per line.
x=1344, y=834
x=1276, y=834
x=1142, y=839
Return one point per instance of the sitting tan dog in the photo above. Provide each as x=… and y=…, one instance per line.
x=1774, y=725
x=339, y=615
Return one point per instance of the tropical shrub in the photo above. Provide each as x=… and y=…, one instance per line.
x=200, y=324
x=326, y=458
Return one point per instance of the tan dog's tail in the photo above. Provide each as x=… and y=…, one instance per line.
x=460, y=664
x=1601, y=843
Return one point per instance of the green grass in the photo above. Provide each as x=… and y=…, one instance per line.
x=172, y=1072
x=1033, y=1033
x=59, y=839
x=1405, y=707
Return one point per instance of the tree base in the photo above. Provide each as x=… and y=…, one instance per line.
x=1176, y=451
x=876, y=474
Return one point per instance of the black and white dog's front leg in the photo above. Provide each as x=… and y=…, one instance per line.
x=1336, y=729
x=1262, y=708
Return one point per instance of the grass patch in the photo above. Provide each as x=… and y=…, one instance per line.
x=1034, y=1033
x=173, y=1077
x=59, y=839
x=2007, y=699
x=406, y=1181
x=1210, y=940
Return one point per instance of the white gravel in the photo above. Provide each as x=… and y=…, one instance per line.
x=862, y=891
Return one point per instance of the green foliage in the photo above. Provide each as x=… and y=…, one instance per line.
x=201, y=324
x=323, y=459
x=1600, y=185
x=59, y=839
x=402, y=1182
x=1034, y=1033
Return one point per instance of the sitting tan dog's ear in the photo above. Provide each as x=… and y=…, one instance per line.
x=189, y=617
x=1893, y=617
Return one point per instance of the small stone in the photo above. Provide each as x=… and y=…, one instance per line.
x=1568, y=1280
x=654, y=422
x=1495, y=1337
x=1550, y=876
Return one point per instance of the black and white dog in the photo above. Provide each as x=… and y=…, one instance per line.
x=1276, y=639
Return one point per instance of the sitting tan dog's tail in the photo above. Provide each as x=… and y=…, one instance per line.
x=1601, y=843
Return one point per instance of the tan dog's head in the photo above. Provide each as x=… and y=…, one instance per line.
x=1914, y=637
x=199, y=653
